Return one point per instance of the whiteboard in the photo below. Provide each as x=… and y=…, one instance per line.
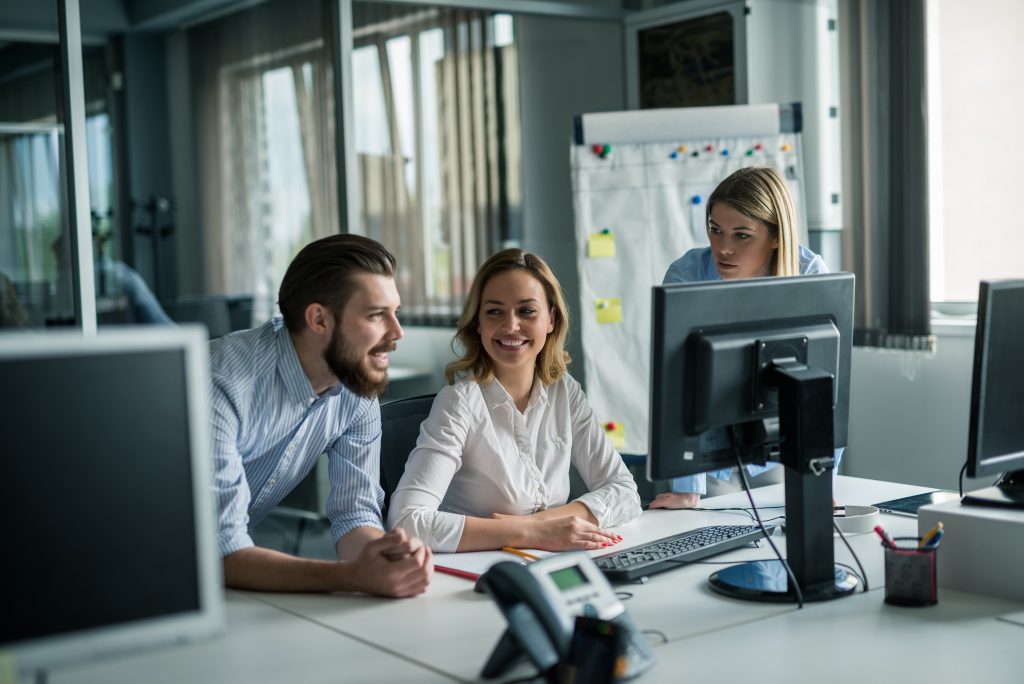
x=645, y=201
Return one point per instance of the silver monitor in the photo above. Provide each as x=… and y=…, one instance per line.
x=105, y=500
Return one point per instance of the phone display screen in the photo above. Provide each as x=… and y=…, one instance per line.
x=568, y=578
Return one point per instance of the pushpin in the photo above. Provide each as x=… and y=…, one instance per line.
x=597, y=149
x=725, y=153
x=606, y=231
x=603, y=304
x=750, y=153
x=695, y=153
x=682, y=148
x=674, y=155
x=758, y=147
x=695, y=200
x=786, y=148
x=610, y=426
x=709, y=148
x=606, y=150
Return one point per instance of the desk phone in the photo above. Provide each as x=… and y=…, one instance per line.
x=541, y=601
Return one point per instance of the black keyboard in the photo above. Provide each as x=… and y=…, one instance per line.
x=676, y=551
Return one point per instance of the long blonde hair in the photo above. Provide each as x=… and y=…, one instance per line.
x=474, y=361
x=759, y=192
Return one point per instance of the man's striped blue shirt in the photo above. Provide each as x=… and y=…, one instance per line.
x=269, y=428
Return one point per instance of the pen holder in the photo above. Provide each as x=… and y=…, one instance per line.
x=910, y=573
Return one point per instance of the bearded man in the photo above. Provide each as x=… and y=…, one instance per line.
x=304, y=384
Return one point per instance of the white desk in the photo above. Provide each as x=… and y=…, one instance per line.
x=451, y=630
x=260, y=644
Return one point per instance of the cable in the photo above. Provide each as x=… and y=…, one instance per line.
x=852, y=553
x=962, y=471
x=757, y=516
x=656, y=632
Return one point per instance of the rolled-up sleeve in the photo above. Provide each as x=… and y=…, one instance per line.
x=613, y=498
x=428, y=474
x=353, y=468
x=230, y=486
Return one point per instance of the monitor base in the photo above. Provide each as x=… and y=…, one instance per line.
x=1002, y=496
x=767, y=581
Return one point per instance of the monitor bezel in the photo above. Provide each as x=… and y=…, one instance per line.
x=43, y=653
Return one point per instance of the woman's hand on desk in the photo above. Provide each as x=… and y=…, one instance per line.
x=568, y=533
x=676, y=500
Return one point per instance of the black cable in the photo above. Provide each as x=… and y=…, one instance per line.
x=962, y=471
x=757, y=516
x=623, y=595
x=852, y=553
x=657, y=632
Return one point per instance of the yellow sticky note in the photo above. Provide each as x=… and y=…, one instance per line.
x=8, y=673
x=616, y=431
x=608, y=310
x=601, y=244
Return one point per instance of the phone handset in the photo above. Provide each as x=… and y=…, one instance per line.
x=541, y=600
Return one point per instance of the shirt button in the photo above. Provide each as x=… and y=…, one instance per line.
x=272, y=483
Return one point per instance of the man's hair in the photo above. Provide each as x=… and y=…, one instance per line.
x=474, y=361
x=324, y=272
x=761, y=193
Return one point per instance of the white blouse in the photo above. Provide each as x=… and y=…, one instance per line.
x=477, y=455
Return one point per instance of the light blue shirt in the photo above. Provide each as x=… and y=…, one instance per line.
x=269, y=428
x=698, y=265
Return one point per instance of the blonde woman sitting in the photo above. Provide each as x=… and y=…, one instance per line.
x=491, y=465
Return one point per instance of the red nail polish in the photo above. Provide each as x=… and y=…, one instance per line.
x=604, y=543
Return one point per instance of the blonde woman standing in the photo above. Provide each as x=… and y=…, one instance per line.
x=751, y=224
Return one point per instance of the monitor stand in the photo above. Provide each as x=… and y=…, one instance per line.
x=806, y=436
x=1008, y=493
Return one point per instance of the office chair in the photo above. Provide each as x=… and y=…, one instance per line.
x=400, y=426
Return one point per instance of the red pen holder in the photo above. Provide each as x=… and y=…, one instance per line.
x=910, y=573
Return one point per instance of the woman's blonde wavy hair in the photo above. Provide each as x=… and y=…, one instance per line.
x=474, y=361
x=760, y=192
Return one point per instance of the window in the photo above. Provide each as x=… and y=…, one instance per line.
x=975, y=66
x=265, y=136
x=435, y=100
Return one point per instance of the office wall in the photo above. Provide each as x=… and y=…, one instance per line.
x=909, y=411
x=567, y=67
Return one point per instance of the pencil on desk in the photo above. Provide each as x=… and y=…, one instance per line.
x=520, y=553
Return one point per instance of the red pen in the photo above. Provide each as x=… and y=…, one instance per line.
x=458, y=573
x=886, y=539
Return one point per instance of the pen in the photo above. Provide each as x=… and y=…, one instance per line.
x=457, y=573
x=929, y=535
x=934, y=541
x=886, y=539
x=521, y=554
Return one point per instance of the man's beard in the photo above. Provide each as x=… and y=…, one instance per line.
x=353, y=369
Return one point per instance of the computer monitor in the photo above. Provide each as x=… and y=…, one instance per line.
x=106, y=511
x=758, y=369
x=995, y=443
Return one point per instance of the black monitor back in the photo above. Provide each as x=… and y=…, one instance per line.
x=710, y=342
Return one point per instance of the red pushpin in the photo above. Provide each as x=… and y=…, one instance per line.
x=709, y=148
x=610, y=427
x=758, y=147
x=597, y=149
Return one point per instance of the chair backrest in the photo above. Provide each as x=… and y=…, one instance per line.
x=400, y=426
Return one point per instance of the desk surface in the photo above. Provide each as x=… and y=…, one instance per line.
x=450, y=630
